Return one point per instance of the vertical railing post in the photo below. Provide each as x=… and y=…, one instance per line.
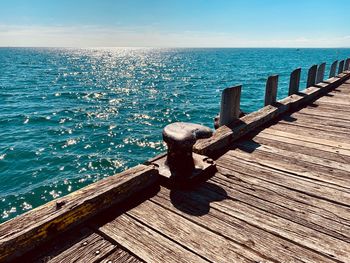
x=333, y=69
x=341, y=67
x=294, y=82
x=230, y=105
x=320, y=73
x=347, y=64
x=271, y=90
x=311, y=76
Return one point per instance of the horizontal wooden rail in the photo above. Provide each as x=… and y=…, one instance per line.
x=39, y=225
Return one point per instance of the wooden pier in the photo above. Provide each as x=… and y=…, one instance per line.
x=280, y=193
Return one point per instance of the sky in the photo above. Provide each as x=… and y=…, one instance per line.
x=175, y=23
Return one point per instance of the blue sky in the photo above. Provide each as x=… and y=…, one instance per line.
x=176, y=23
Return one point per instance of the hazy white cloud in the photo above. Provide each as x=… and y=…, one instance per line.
x=93, y=36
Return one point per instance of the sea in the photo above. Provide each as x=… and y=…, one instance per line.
x=72, y=116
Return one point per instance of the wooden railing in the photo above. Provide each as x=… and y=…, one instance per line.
x=232, y=126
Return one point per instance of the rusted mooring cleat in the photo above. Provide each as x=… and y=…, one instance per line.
x=182, y=167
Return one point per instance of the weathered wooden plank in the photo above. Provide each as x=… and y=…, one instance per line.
x=311, y=76
x=327, y=209
x=341, y=147
x=284, y=203
x=341, y=67
x=320, y=73
x=311, y=145
x=337, y=168
x=213, y=247
x=91, y=249
x=333, y=69
x=309, y=131
x=302, y=207
x=146, y=243
x=312, y=124
x=340, y=93
x=230, y=105
x=294, y=82
x=120, y=256
x=322, y=243
x=320, y=105
x=347, y=64
x=326, y=113
x=332, y=108
x=279, y=143
x=338, y=100
x=305, y=185
x=45, y=222
x=267, y=245
x=300, y=164
x=271, y=90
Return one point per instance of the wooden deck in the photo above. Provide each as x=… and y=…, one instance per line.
x=280, y=194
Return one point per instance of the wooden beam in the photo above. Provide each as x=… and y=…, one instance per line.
x=39, y=225
x=311, y=76
x=320, y=73
x=271, y=90
x=230, y=105
x=341, y=67
x=294, y=82
x=347, y=64
x=333, y=70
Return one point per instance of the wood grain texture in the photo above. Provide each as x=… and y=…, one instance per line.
x=340, y=146
x=120, y=255
x=324, y=244
x=270, y=172
x=297, y=147
x=271, y=90
x=146, y=243
x=230, y=105
x=322, y=168
x=294, y=82
x=310, y=211
x=45, y=222
x=265, y=244
x=213, y=247
x=311, y=76
x=91, y=249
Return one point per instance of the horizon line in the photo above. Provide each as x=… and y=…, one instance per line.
x=182, y=47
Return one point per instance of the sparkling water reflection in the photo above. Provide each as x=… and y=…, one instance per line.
x=70, y=117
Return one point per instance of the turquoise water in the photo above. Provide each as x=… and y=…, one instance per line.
x=69, y=117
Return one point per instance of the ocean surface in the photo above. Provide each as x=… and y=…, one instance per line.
x=70, y=117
